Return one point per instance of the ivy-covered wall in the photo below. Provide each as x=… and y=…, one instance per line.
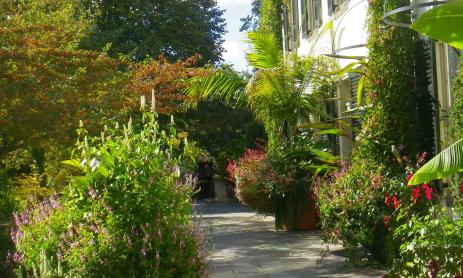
x=456, y=118
x=391, y=118
x=270, y=18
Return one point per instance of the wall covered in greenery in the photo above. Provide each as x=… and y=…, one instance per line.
x=456, y=118
x=371, y=193
x=390, y=86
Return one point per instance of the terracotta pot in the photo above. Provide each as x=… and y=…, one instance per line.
x=296, y=212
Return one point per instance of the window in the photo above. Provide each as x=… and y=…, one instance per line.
x=305, y=18
x=334, y=6
x=295, y=22
x=286, y=29
x=311, y=16
x=317, y=13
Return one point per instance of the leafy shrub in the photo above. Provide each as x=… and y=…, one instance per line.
x=127, y=215
x=263, y=178
x=250, y=175
x=360, y=205
x=433, y=245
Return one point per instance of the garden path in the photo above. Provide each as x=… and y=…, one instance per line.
x=246, y=245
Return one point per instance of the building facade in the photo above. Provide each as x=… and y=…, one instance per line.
x=338, y=28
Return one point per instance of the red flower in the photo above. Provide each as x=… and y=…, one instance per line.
x=409, y=177
x=387, y=199
x=461, y=187
x=427, y=190
x=395, y=202
x=386, y=220
x=416, y=193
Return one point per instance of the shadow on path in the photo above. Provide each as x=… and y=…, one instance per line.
x=246, y=245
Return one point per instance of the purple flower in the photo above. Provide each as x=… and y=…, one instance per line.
x=92, y=193
x=94, y=228
x=15, y=257
x=54, y=202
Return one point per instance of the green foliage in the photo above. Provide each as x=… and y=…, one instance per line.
x=127, y=214
x=449, y=161
x=251, y=176
x=456, y=117
x=277, y=92
x=433, y=245
x=443, y=23
x=359, y=205
x=270, y=19
x=391, y=120
x=177, y=29
x=446, y=163
x=224, y=83
x=47, y=82
x=265, y=54
x=251, y=22
x=225, y=132
x=265, y=17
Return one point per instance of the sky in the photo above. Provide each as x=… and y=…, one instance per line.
x=235, y=47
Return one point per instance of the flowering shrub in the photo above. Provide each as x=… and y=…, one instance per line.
x=128, y=215
x=250, y=174
x=363, y=205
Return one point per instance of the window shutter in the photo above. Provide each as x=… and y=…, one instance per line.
x=295, y=22
x=305, y=19
x=354, y=84
x=331, y=7
x=317, y=13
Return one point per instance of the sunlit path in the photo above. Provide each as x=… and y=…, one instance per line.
x=245, y=245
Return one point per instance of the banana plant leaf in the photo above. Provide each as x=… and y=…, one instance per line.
x=446, y=163
x=443, y=23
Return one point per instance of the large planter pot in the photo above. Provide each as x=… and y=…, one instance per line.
x=296, y=211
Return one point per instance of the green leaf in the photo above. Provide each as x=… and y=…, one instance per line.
x=324, y=156
x=443, y=23
x=333, y=131
x=340, y=73
x=446, y=163
x=360, y=91
x=74, y=163
x=102, y=171
x=319, y=168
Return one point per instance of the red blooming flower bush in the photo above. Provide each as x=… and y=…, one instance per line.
x=260, y=178
x=251, y=173
x=361, y=206
x=127, y=215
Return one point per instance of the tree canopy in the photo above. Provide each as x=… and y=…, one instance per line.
x=265, y=17
x=177, y=29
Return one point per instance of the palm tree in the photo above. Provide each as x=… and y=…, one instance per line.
x=287, y=94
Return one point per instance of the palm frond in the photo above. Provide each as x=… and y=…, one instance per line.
x=265, y=53
x=224, y=84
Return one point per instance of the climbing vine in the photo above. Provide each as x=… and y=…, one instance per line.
x=391, y=119
x=456, y=118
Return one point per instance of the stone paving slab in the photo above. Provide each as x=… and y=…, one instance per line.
x=246, y=245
